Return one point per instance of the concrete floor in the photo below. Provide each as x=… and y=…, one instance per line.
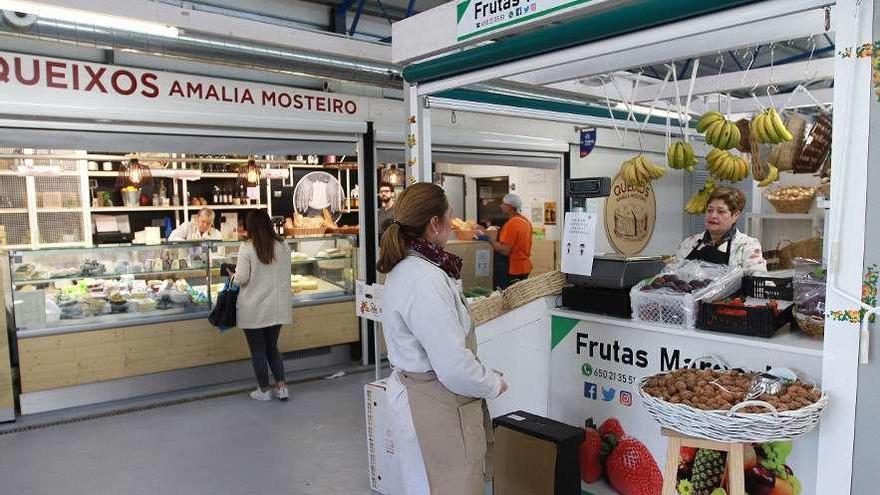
x=313, y=445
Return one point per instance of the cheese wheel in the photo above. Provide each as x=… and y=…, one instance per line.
x=309, y=285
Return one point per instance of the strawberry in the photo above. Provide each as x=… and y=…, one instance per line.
x=591, y=454
x=611, y=426
x=632, y=469
x=688, y=454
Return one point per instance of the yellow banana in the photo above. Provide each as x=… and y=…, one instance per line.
x=689, y=159
x=724, y=136
x=707, y=119
x=758, y=128
x=769, y=130
x=735, y=136
x=779, y=126
x=670, y=155
x=713, y=131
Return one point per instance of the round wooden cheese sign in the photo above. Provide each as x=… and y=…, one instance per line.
x=630, y=216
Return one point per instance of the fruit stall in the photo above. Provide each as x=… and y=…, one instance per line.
x=687, y=377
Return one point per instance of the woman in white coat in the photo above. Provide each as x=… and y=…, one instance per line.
x=437, y=388
x=263, y=272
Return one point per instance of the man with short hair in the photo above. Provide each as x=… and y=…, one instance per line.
x=202, y=228
x=386, y=205
x=513, y=249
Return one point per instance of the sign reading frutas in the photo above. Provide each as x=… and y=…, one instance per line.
x=630, y=216
x=477, y=17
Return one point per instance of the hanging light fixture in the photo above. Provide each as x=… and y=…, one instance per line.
x=134, y=174
x=249, y=174
x=394, y=175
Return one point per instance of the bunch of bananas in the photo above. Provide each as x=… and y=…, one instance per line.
x=639, y=171
x=680, y=155
x=727, y=166
x=700, y=200
x=772, y=176
x=768, y=127
x=720, y=132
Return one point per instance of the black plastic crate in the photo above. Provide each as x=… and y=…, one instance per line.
x=742, y=320
x=768, y=288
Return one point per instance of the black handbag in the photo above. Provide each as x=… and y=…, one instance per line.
x=223, y=315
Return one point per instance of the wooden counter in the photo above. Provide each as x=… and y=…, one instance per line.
x=78, y=358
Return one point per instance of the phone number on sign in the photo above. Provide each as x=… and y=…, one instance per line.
x=614, y=376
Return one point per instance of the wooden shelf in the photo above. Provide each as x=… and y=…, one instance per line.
x=109, y=209
x=13, y=210
x=235, y=207
x=60, y=210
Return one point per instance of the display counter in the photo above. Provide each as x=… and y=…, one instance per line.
x=86, y=316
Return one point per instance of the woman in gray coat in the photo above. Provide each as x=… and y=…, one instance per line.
x=263, y=273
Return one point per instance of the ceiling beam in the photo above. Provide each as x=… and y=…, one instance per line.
x=748, y=105
x=745, y=26
x=783, y=74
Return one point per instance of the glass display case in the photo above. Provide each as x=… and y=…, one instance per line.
x=323, y=268
x=73, y=289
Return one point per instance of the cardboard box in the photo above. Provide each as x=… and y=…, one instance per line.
x=384, y=475
x=477, y=258
x=536, y=456
x=545, y=256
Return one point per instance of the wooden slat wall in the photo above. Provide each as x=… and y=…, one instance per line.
x=7, y=399
x=78, y=358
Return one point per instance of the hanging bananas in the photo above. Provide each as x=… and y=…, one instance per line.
x=699, y=201
x=639, y=171
x=768, y=127
x=724, y=165
x=772, y=176
x=719, y=132
x=680, y=155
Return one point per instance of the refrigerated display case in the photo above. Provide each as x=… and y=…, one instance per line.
x=67, y=290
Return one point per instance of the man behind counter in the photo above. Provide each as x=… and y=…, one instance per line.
x=202, y=228
x=386, y=206
x=513, y=249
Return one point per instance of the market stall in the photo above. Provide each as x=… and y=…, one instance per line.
x=684, y=316
x=95, y=178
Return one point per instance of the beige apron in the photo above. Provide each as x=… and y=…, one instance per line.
x=454, y=432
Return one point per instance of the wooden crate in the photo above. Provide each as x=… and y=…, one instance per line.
x=74, y=359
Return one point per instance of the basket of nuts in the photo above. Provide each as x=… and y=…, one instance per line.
x=792, y=199
x=732, y=405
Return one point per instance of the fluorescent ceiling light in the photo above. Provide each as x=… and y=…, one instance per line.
x=86, y=17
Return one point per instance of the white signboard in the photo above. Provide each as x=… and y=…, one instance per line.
x=368, y=301
x=579, y=243
x=594, y=368
x=483, y=266
x=476, y=17
x=48, y=87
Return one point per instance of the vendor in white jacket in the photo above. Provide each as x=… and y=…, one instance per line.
x=437, y=388
x=722, y=243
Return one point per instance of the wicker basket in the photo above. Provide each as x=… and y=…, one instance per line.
x=811, y=325
x=808, y=248
x=526, y=291
x=783, y=154
x=488, y=308
x=803, y=205
x=733, y=426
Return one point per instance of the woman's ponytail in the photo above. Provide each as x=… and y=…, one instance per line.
x=413, y=211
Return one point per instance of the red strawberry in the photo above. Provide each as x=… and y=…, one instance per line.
x=591, y=454
x=611, y=426
x=688, y=454
x=632, y=469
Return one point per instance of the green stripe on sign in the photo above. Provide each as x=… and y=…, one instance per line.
x=462, y=8
x=560, y=327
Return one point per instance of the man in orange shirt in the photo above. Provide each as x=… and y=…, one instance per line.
x=513, y=249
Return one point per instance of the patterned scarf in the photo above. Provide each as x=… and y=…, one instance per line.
x=707, y=238
x=448, y=262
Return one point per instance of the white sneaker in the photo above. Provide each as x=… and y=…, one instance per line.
x=282, y=393
x=260, y=395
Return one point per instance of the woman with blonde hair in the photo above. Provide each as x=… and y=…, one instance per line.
x=437, y=388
